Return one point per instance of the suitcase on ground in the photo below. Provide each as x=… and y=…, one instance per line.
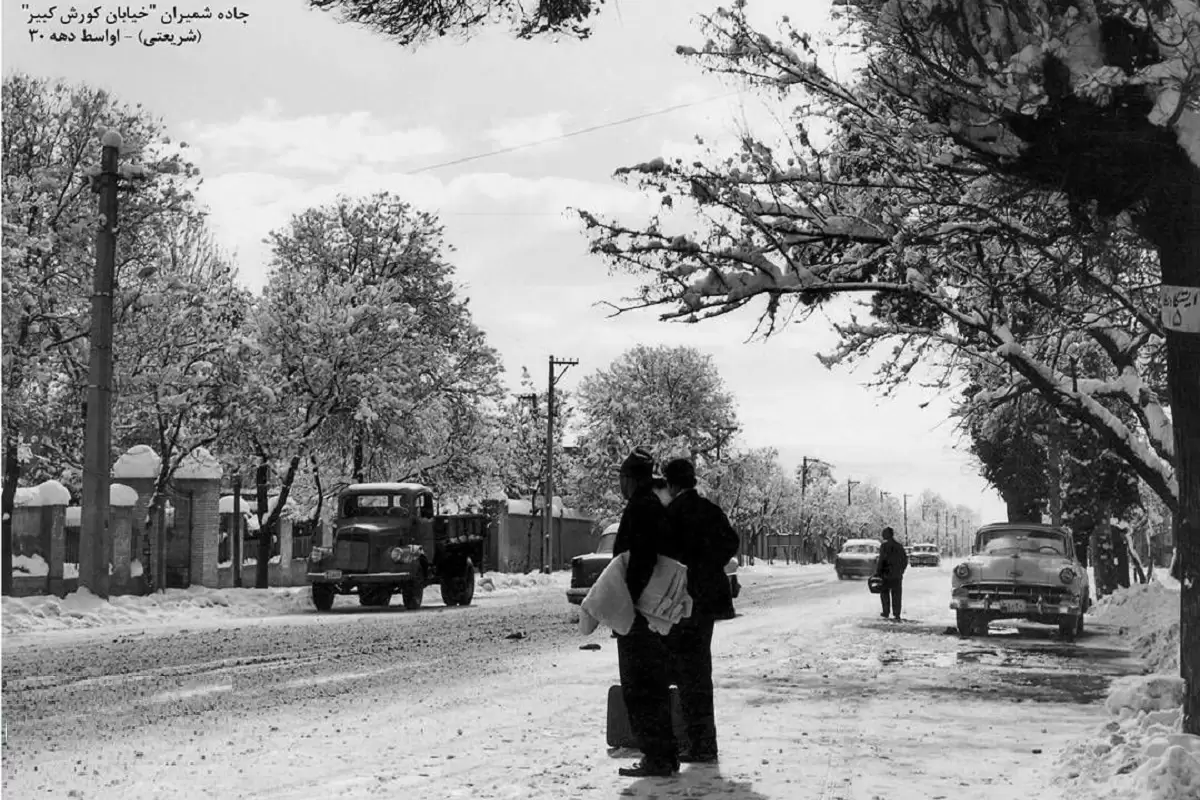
x=620, y=732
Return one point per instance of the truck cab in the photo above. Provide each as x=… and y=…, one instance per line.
x=387, y=539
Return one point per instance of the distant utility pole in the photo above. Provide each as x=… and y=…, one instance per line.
x=94, y=532
x=906, y=518
x=850, y=485
x=548, y=526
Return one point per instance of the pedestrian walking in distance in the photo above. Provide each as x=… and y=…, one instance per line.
x=642, y=656
x=706, y=541
x=893, y=561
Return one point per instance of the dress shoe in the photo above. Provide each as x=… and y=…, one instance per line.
x=688, y=757
x=649, y=769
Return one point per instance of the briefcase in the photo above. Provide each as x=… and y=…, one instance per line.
x=620, y=732
x=874, y=584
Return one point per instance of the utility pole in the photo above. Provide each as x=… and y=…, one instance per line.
x=850, y=485
x=906, y=518
x=548, y=525
x=235, y=535
x=94, y=530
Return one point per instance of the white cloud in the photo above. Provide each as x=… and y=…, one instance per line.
x=526, y=130
x=325, y=143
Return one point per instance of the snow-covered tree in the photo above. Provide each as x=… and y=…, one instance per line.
x=365, y=358
x=967, y=118
x=417, y=21
x=51, y=148
x=669, y=399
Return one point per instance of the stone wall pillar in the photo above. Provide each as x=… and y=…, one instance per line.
x=205, y=526
x=285, y=551
x=54, y=522
x=121, y=525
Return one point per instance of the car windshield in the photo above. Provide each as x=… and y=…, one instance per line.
x=371, y=505
x=605, y=545
x=1010, y=541
x=924, y=548
x=861, y=548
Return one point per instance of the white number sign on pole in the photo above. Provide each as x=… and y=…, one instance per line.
x=1181, y=308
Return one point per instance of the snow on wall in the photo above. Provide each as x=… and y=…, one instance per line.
x=139, y=461
x=199, y=465
x=122, y=496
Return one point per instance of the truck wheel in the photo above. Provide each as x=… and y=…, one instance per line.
x=460, y=589
x=322, y=596
x=412, y=593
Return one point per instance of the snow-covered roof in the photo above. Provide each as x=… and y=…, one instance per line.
x=849, y=542
x=387, y=487
x=139, y=461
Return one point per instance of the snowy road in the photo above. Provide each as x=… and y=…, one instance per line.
x=817, y=698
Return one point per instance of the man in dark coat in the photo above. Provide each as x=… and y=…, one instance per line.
x=893, y=561
x=706, y=542
x=642, y=654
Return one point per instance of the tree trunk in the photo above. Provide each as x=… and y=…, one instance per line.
x=1120, y=557
x=358, y=459
x=1173, y=224
x=1106, y=566
x=261, y=574
x=12, y=473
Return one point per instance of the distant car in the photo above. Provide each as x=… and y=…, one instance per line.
x=857, y=559
x=1021, y=571
x=585, y=569
x=924, y=555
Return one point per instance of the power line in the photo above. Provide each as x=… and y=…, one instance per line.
x=569, y=134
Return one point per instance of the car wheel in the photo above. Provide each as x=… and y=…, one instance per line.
x=1070, y=626
x=466, y=585
x=413, y=593
x=322, y=596
x=970, y=623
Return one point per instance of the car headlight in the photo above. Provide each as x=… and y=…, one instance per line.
x=1067, y=575
x=397, y=553
x=962, y=571
x=317, y=553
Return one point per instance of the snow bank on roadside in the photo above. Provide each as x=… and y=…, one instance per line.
x=82, y=609
x=1147, y=617
x=1141, y=753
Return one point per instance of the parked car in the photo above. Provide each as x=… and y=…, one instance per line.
x=1021, y=571
x=924, y=554
x=387, y=539
x=858, y=558
x=585, y=569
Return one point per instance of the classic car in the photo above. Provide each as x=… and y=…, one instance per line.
x=857, y=558
x=387, y=539
x=1021, y=571
x=924, y=554
x=585, y=569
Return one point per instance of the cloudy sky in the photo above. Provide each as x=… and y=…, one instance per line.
x=288, y=108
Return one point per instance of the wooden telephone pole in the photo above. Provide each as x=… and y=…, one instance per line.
x=94, y=532
x=548, y=524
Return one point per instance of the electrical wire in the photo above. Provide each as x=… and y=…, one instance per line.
x=569, y=134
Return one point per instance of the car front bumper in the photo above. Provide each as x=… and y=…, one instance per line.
x=1017, y=607
x=851, y=568
x=354, y=578
x=576, y=595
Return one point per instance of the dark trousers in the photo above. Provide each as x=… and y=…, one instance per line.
x=690, y=644
x=645, y=666
x=890, y=596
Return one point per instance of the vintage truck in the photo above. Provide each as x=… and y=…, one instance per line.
x=387, y=539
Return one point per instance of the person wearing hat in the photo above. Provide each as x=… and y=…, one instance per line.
x=642, y=655
x=706, y=542
x=893, y=561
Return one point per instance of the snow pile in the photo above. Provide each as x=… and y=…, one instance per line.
x=518, y=583
x=199, y=465
x=49, y=493
x=1147, y=617
x=82, y=609
x=1141, y=754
